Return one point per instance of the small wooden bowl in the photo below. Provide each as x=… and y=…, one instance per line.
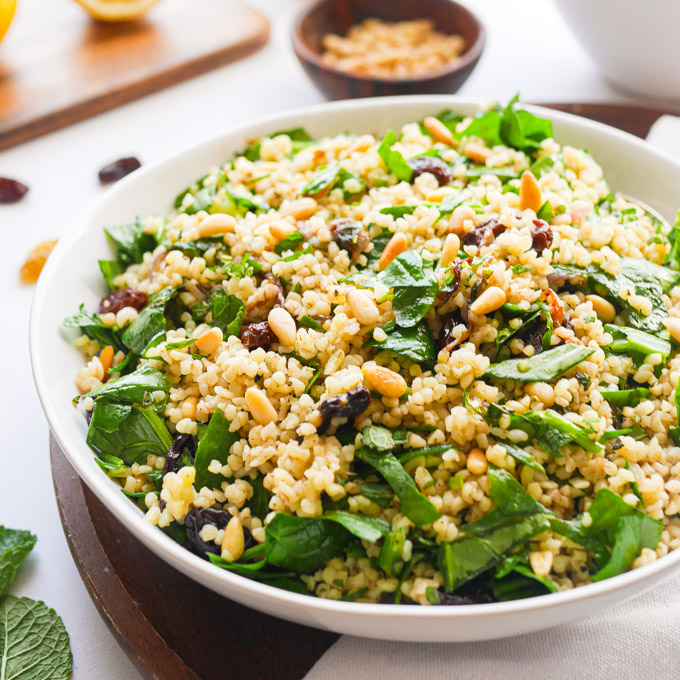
x=337, y=16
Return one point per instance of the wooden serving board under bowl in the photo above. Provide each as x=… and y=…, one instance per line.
x=58, y=66
x=171, y=627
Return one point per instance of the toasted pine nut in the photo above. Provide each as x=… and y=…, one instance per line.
x=364, y=309
x=216, y=224
x=541, y=562
x=489, y=301
x=673, y=326
x=283, y=325
x=395, y=246
x=450, y=249
x=280, y=229
x=542, y=391
x=106, y=358
x=189, y=407
x=604, y=309
x=476, y=462
x=439, y=131
x=260, y=407
x=459, y=216
x=438, y=195
x=477, y=152
x=300, y=209
x=529, y=192
x=233, y=540
x=385, y=381
x=209, y=341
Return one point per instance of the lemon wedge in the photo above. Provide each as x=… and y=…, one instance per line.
x=115, y=10
x=7, y=8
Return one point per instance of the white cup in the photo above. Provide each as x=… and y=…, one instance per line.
x=636, y=43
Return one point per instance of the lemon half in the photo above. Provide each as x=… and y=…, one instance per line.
x=7, y=8
x=115, y=10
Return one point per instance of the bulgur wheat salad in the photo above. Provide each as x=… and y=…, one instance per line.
x=437, y=367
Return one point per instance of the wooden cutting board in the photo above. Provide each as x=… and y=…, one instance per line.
x=58, y=66
x=173, y=628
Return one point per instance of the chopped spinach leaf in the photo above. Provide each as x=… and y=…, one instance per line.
x=215, y=444
x=393, y=160
x=415, y=343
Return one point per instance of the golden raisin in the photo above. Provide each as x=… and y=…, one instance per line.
x=36, y=261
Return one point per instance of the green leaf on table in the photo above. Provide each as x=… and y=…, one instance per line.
x=135, y=388
x=415, y=343
x=542, y=367
x=394, y=161
x=127, y=432
x=303, y=544
x=15, y=545
x=34, y=644
x=130, y=242
x=414, y=504
x=215, y=444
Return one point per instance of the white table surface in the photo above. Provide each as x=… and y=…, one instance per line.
x=529, y=49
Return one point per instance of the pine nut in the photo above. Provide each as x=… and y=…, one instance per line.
x=542, y=391
x=529, y=192
x=209, y=341
x=476, y=462
x=216, y=224
x=189, y=407
x=389, y=383
x=489, y=301
x=233, y=540
x=450, y=249
x=106, y=358
x=300, y=209
x=395, y=246
x=260, y=407
x=459, y=216
x=541, y=562
x=283, y=325
x=673, y=326
x=439, y=131
x=477, y=152
x=438, y=195
x=280, y=229
x=604, y=309
x=364, y=309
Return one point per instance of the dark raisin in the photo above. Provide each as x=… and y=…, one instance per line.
x=125, y=297
x=435, y=166
x=257, y=335
x=350, y=235
x=347, y=405
x=11, y=191
x=484, y=234
x=448, y=289
x=532, y=334
x=118, y=169
x=542, y=236
x=179, y=444
x=197, y=518
x=478, y=590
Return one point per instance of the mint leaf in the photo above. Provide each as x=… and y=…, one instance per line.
x=14, y=548
x=34, y=644
x=378, y=438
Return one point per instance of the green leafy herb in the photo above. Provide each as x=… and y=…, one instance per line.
x=91, y=325
x=541, y=368
x=546, y=212
x=150, y=321
x=377, y=438
x=395, y=162
x=637, y=432
x=522, y=456
x=308, y=322
x=415, y=343
x=367, y=528
x=377, y=493
x=135, y=388
x=33, y=642
x=322, y=181
x=541, y=166
x=414, y=504
x=290, y=242
x=623, y=398
x=246, y=267
x=110, y=269
x=227, y=312
x=15, y=545
x=130, y=242
x=215, y=444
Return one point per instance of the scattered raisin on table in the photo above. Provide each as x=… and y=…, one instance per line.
x=124, y=297
x=118, y=169
x=435, y=166
x=36, y=261
x=257, y=335
x=11, y=191
x=346, y=405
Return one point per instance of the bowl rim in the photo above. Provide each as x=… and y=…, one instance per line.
x=466, y=60
x=202, y=571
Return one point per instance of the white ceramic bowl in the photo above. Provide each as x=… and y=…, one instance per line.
x=72, y=276
x=634, y=43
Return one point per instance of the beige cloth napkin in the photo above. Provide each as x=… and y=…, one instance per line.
x=638, y=640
